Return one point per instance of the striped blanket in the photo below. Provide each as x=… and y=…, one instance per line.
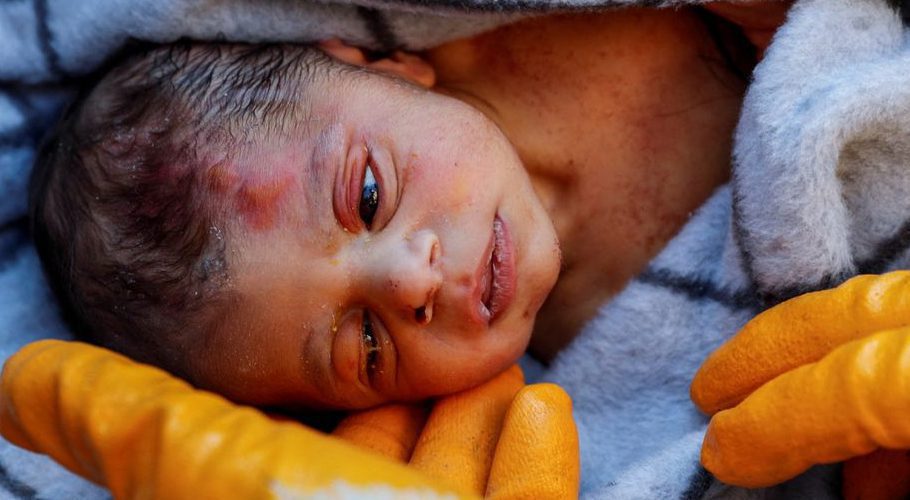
x=820, y=192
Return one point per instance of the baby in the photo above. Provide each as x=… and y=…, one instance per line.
x=285, y=227
x=280, y=227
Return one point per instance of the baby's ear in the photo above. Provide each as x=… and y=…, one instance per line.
x=411, y=67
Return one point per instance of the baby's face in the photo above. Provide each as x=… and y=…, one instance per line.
x=395, y=251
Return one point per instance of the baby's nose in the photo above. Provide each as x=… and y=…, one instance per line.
x=414, y=276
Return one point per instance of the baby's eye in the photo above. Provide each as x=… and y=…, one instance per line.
x=371, y=343
x=369, y=197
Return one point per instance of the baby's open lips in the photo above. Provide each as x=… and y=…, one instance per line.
x=485, y=283
x=496, y=278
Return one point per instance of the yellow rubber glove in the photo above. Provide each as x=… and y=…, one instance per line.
x=143, y=433
x=500, y=439
x=818, y=379
x=391, y=430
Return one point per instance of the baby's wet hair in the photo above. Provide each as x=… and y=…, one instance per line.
x=133, y=243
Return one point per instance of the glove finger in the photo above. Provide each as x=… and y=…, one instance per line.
x=880, y=474
x=389, y=430
x=537, y=453
x=29, y=415
x=851, y=402
x=458, y=442
x=145, y=434
x=799, y=331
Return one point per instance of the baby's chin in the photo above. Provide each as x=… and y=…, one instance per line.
x=548, y=275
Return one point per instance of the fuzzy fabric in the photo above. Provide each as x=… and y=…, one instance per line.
x=820, y=192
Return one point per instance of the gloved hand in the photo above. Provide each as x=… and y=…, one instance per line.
x=500, y=439
x=143, y=433
x=818, y=379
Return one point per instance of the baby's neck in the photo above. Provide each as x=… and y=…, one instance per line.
x=621, y=114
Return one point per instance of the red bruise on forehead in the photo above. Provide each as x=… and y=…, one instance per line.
x=258, y=203
x=256, y=198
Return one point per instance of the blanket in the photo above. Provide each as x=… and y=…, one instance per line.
x=819, y=193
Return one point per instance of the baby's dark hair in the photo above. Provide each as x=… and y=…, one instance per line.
x=133, y=242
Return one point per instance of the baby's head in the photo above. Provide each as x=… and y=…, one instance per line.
x=290, y=230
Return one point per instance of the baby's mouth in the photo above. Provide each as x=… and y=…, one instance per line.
x=499, y=280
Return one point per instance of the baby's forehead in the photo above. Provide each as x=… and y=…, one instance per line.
x=272, y=183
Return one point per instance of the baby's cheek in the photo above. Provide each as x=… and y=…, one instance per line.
x=445, y=185
x=441, y=370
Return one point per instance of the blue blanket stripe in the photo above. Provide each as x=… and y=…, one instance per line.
x=21, y=102
x=379, y=28
x=32, y=128
x=887, y=252
x=46, y=38
x=18, y=137
x=13, y=235
x=523, y=5
x=739, y=236
x=16, y=487
x=699, y=483
x=699, y=289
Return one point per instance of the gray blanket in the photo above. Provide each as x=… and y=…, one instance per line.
x=821, y=191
